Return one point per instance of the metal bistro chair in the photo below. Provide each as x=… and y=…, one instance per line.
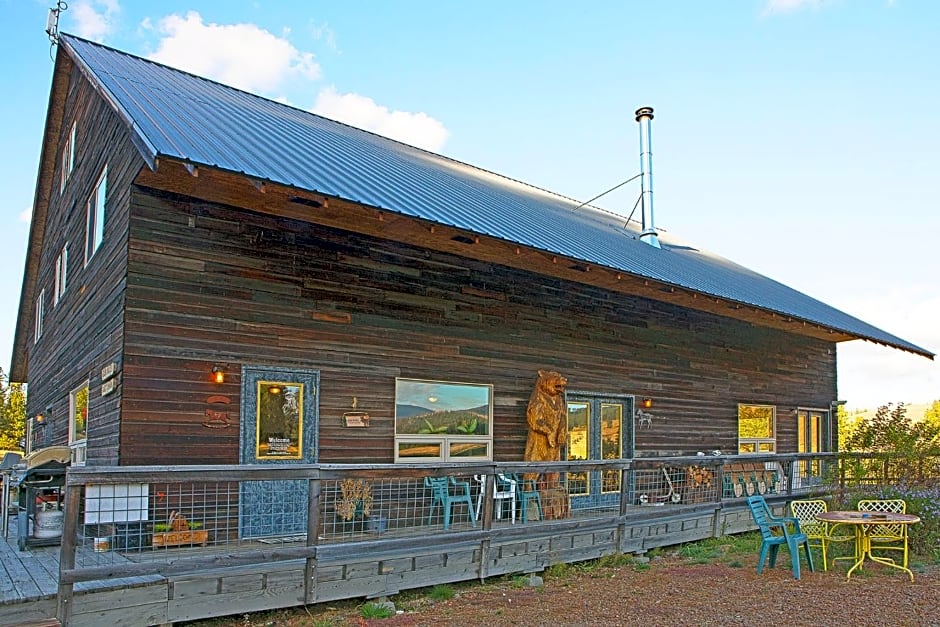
x=442, y=495
x=504, y=491
x=818, y=532
x=887, y=537
x=789, y=534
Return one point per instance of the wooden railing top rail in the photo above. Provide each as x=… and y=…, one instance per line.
x=82, y=475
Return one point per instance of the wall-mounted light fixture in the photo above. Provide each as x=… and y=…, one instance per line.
x=40, y=419
x=646, y=403
x=218, y=374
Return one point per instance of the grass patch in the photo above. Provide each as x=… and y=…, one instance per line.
x=558, y=571
x=375, y=610
x=441, y=592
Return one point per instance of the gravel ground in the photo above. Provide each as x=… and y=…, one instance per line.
x=670, y=590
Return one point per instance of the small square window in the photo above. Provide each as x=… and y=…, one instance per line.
x=757, y=429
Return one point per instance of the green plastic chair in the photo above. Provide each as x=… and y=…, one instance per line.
x=443, y=495
x=787, y=530
x=526, y=491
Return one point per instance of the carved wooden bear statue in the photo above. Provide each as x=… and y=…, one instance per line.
x=547, y=418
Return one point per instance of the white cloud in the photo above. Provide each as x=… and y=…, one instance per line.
x=241, y=55
x=94, y=19
x=418, y=129
x=26, y=215
x=323, y=32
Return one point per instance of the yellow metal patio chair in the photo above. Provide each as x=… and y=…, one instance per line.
x=887, y=537
x=819, y=533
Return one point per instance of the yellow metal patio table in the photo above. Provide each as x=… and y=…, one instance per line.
x=862, y=523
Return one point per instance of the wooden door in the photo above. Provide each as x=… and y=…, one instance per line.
x=279, y=421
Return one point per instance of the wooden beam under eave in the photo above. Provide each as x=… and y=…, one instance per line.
x=239, y=191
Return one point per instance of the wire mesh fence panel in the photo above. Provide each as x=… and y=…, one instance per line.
x=154, y=521
x=165, y=515
x=678, y=483
x=363, y=508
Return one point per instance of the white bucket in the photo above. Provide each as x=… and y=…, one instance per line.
x=48, y=524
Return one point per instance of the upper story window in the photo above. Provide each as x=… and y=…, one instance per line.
x=40, y=313
x=757, y=429
x=61, y=274
x=68, y=159
x=439, y=421
x=94, y=231
x=78, y=423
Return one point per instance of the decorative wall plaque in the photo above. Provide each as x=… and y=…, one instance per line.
x=356, y=419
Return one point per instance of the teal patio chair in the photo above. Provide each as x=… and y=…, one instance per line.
x=775, y=531
x=446, y=491
x=527, y=491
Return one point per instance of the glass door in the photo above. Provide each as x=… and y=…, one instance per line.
x=599, y=427
x=809, y=439
x=278, y=426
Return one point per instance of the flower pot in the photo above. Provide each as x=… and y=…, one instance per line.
x=180, y=538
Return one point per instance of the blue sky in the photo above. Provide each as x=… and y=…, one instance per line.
x=800, y=138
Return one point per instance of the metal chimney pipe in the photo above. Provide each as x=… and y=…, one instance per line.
x=644, y=116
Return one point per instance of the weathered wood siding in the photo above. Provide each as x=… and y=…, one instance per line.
x=210, y=284
x=84, y=331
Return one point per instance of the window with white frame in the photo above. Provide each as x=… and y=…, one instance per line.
x=68, y=159
x=95, y=216
x=442, y=421
x=78, y=423
x=757, y=429
x=40, y=314
x=61, y=274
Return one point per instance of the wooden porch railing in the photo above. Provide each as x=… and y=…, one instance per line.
x=232, y=520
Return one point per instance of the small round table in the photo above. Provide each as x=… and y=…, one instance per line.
x=862, y=522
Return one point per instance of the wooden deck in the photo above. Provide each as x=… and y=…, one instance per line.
x=347, y=570
x=147, y=585
x=29, y=581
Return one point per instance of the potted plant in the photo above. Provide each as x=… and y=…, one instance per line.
x=178, y=531
x=355, y=502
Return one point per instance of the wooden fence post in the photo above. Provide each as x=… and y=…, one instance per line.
x=313, y=531
x=73, y=497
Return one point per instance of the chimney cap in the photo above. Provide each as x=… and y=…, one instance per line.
x=644, y=112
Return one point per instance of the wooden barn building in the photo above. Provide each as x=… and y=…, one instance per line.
x=217, y=278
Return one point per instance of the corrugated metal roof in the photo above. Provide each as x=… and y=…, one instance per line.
x=187, y=117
